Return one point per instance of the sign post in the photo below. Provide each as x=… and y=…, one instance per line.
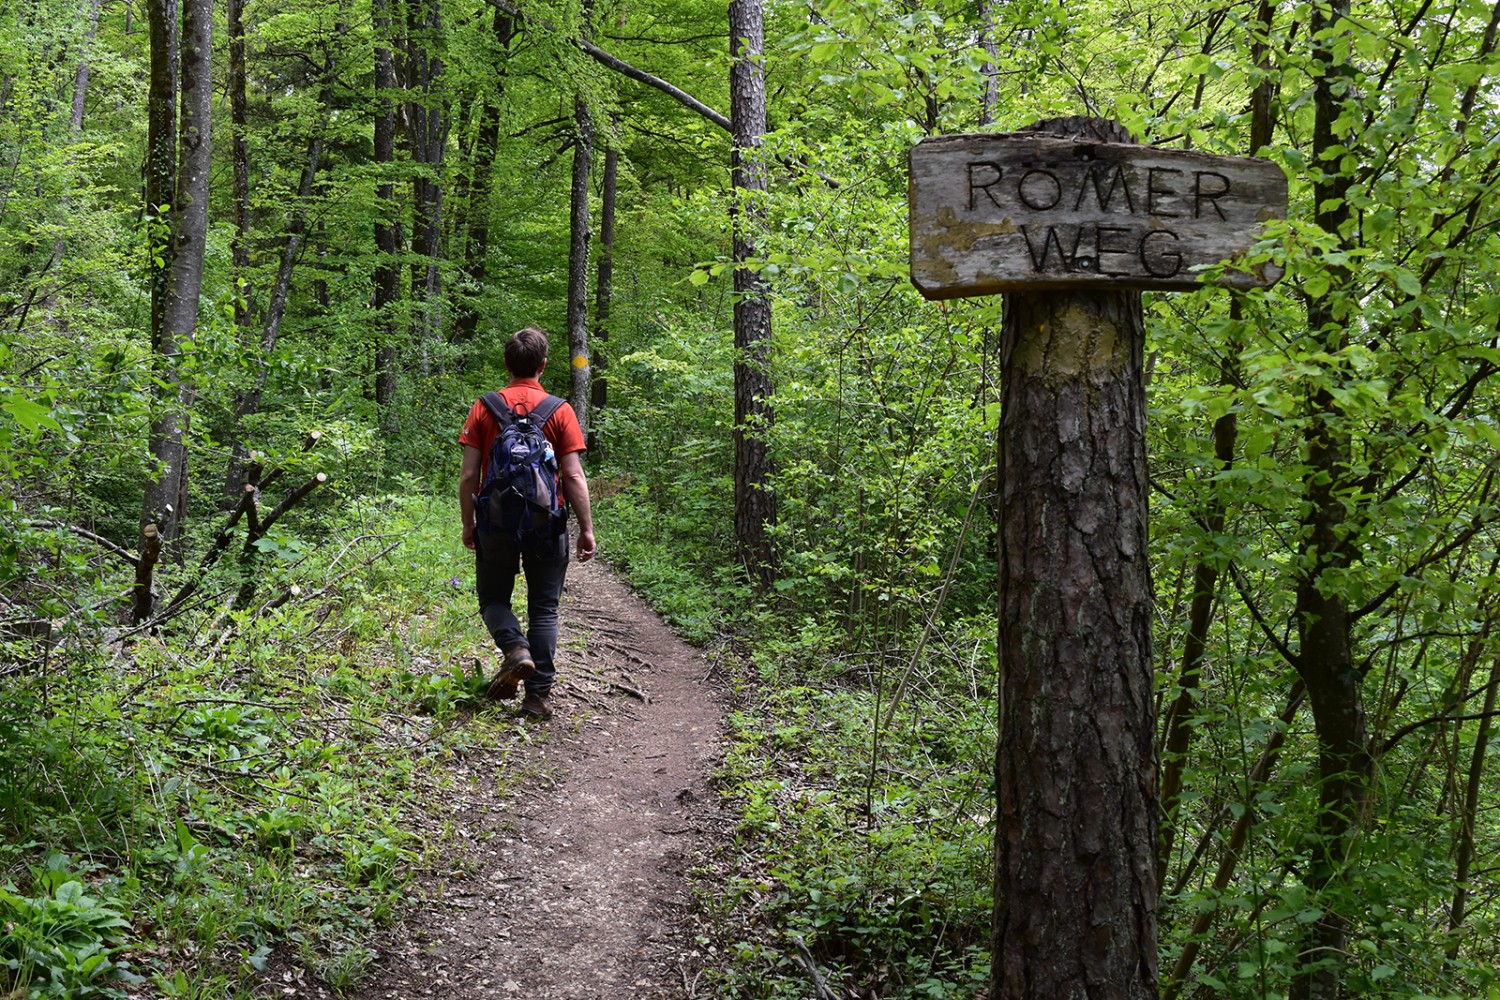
x=1070, y=220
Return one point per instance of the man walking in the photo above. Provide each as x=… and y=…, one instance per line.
x=499, y=556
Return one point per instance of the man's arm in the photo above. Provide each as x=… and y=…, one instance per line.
x=576, y=488
x=468, y=485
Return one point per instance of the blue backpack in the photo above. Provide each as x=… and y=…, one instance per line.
x=519, y=495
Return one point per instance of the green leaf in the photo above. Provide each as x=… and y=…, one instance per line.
x=1406, y=281
x=31, y=415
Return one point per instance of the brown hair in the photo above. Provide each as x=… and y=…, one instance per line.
x=526, y=352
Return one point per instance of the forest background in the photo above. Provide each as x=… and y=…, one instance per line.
x=793, y=456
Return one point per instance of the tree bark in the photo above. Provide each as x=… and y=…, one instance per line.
x=604, y=290
x=247, y=402
x=161, y=149
x=1075, y=879
x=1179, y=723
x=989, y=99
x=1472, y=792
x=239, y=246
x=1179, y=727
x=81, y=75
x=427, y=125
x=754, y=414
x=578, y=262
x=387, y=276
x=162, y=503
x=482, y=184
x=1325, y=658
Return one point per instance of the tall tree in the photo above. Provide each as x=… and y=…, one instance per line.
x=387, y=277
x=166, y=490
x=239, y=246
x=482, y=182
x=604, y=290
x=754, y=412
x=578, y=261
x=427, y=131
x=1329, y=545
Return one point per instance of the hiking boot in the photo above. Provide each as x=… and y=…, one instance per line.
x=514, y=668
x=535, y=707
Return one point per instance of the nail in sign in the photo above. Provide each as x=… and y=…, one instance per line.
x=1002, y=212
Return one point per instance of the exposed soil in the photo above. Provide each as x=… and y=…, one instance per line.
x=576, y=886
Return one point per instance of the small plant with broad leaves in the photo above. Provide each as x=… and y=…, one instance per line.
x=61, y=942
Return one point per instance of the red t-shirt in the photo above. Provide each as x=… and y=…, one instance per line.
x=480, y=429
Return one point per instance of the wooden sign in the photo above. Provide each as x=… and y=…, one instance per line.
x=1001, y=212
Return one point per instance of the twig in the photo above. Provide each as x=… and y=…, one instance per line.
x=291, y=591
x=308, y=444
x=804, y=958
x=99, y=540
x=292, y=499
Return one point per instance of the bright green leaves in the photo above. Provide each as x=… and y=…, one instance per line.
x=30, y=416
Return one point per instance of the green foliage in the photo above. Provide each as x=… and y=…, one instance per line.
x=875, y=870
x=272, y=790
x=62, y=942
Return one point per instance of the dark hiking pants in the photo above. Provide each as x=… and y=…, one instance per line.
x=497, y=560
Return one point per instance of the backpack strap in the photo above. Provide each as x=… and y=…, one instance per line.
x=498, y=407
x=542, y=412
x=503, y=414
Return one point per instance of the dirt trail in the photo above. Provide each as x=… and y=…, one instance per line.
x=576, y=887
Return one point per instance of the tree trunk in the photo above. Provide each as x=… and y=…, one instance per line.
x=1325, y=658
x=604, y=291
x=179, y=320
x=482, y=185
x=754, y=415
x=161, y=150
x=239, y=245
x=1179, y=723
x=1075, y=841
x=428, y=133
x=387, y=277
x=81, y=75
x=247, y=402
x=578, y=263
x=1472, y=793
x=989, y=100
x=75, y=119
x=1179, y=727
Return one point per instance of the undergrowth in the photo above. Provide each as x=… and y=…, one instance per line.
x=180, y=812
x=860, y=861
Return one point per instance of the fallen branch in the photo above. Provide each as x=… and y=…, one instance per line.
x=804, y=958
x=99, y=540
x=295, y=591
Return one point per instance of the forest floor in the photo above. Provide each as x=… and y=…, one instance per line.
x=573, y=883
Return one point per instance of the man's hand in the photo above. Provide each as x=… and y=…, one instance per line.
x=586, y=546
x=469, y=537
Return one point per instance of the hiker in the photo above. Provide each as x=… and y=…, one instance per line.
x=532, y=538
